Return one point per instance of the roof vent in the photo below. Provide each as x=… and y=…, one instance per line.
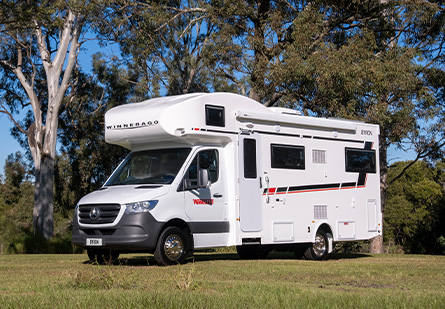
x=285, y=111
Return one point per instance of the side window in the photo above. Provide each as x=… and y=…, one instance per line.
x=250, y=158
x=287, y=156
x=360, y=160
x=206, y=159
x=215, y=116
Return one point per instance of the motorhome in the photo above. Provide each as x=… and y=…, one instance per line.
x=211, y=170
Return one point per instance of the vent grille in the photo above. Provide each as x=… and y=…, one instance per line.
x=319, y=156
x=106, y=213
x=320, y=211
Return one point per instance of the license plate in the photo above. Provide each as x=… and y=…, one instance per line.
x=94, y=241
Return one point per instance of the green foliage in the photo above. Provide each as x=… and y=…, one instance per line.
x=35, y=244
x=16, y=205
x=415, y=208
x=165, y=42
x=16, y=202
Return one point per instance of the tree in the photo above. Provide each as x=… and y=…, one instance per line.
x=15, y=202
x=365, y=65
x=40, y=43
x=166, y=42
x=415, y=207
x=86, y=160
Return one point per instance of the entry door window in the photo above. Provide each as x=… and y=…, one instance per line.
x=250, y=170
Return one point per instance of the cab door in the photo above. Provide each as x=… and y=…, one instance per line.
x=206, y=206
x=250, y=187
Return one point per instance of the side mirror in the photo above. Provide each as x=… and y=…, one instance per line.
x=203, y=179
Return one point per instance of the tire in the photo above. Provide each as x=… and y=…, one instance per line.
x=172, y=247
x=318, y=251
x=102, y=256
x=252, y=252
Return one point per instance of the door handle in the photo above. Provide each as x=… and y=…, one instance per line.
x=217, y=195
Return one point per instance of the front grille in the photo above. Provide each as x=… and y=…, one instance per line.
x=103, y=213
x=98, y=232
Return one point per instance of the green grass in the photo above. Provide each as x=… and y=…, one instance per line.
x=221, y=280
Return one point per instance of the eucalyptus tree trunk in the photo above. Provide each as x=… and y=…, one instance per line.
x=42, y=135
x=376, y=243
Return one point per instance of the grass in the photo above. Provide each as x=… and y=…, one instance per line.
x=221, y=280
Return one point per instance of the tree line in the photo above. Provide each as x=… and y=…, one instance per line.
x=380, y=61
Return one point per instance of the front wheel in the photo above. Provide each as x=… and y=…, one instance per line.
x=319, y=249
x=172, y=247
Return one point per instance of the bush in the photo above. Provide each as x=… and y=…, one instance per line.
x=33, y=244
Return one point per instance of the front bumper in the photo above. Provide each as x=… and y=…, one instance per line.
x=133, y=233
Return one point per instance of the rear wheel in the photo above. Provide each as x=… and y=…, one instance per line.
x=319, y=249
x=172, y=247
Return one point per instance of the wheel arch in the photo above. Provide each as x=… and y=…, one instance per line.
x=329, y=233
x=181, y=224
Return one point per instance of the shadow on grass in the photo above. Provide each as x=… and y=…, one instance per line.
x=347, y=256
x=148, y=260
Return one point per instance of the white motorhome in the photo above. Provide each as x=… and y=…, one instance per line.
x=211, y=170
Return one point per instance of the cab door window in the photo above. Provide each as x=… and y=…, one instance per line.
x=205, y=159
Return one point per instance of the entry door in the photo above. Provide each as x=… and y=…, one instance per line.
x=250, y=188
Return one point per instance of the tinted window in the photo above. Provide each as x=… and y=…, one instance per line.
x=358, y=160
x=158, y=166
x=206, y=159
x=286, y=156
x=250, y=158
x=215, y=116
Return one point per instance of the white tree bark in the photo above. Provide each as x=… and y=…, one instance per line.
x=42, y=139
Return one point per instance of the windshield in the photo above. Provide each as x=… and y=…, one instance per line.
x=158, y=166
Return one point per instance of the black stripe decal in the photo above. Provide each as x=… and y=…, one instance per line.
x=348, y=185
x=361, y=179
x=210, y=227
x=368, y=145
x=315, y=187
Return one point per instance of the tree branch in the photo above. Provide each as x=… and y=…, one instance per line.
x=3, y=110
x=418, y=157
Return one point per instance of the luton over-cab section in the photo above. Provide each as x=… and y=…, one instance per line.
x=211, y=170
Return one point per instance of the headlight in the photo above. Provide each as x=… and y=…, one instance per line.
x=139, y=207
